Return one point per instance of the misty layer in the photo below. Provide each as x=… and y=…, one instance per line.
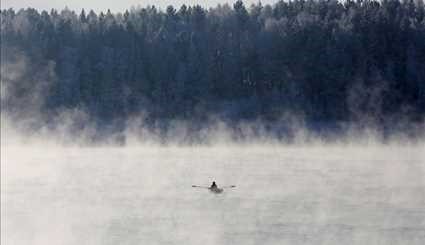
x=284, y=196
x=299, y=69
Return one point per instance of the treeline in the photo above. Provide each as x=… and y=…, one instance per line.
x=326, y=61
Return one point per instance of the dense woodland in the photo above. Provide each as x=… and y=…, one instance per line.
x=325, y=61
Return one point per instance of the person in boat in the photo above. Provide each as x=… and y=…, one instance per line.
x=213, y=185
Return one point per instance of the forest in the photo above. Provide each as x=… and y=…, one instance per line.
x=328, y=62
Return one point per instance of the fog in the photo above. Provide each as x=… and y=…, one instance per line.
x=64, y=181
x=311, y=192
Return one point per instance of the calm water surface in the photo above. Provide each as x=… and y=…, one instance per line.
x=284, y=195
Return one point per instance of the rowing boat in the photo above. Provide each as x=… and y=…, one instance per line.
x=216, y=190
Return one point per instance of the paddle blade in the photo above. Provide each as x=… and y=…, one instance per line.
x=197, y=186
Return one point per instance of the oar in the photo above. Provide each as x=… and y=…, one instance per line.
x=222, y=187
x=197, y=186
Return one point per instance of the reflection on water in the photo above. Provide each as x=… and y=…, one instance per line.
x=144, y=196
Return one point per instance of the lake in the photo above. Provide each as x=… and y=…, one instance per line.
x=320, y=194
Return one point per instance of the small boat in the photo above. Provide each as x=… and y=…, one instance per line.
x=216, y=190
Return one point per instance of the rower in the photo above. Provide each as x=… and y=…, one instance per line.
x=213, y=185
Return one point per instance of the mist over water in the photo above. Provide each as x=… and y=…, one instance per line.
x=67, y=182
x=141, y=194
